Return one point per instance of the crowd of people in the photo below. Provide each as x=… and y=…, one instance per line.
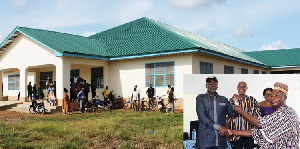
x=79, y=93
x=241, y=120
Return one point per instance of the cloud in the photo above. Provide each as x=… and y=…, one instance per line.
x=192, y=4
x=87, y=33
x=18, y=2
x=274, y=46
x=243, y=32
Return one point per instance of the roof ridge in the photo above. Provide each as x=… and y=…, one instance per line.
x=50, y=31
x=272, y=50
x=172, y=32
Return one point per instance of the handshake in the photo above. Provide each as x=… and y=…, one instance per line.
x=223, y=131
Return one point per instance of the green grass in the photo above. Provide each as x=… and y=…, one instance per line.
x=117, y=129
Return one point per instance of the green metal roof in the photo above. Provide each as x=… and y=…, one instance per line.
x=65, y=43
x=277, y=58
x=144, y=36
x=137, y=38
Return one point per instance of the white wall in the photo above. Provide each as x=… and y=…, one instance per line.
x=195, y=84
x=124, y=74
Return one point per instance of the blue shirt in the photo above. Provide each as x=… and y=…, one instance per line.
x=80, y=95
x=212, y=114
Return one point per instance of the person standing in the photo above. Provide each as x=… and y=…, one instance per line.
x=81, y=98
x=72, y=90
x=29, y=90
x=266, y=106
x=34, y=92
x=93, y=88
x=150, y=93
x=172, y=99
x=212, y=109
x=40, y=91
x=66, y=102
x=135, y=96
x=249, y=104
x=86, y=87
x=104, y=93
x=78, y=86
x=280, y=129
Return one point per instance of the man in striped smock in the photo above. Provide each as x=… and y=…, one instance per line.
x=251, y=106
x=278, y=130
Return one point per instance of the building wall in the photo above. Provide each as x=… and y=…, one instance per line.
x=218, y=65
x=124, y=74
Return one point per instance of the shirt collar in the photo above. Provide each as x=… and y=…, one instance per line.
x=209, y=94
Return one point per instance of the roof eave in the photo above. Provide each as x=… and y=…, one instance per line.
x=233, y=58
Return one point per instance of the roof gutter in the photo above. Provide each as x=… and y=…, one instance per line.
x=153, y=54
x=234, y=59
x=85, y=56
x=274, y=67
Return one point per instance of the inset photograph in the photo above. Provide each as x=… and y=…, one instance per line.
x=241, y=111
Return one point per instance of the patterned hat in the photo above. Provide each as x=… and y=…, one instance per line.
x=211, y=78
x=282, y=87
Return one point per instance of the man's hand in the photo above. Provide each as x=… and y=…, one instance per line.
x=235, y=98
x=222, y=130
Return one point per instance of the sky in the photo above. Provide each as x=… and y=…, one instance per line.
x=249, y=25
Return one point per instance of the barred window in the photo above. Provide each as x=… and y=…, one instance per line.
x=255, y=71
x=74, y=74
x=44, y=78
x=228, y=69
x=244, y=71
x=97, y=77
x=206, y=68
x=160, y=74
x=14, y=82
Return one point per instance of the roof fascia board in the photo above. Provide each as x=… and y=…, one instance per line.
x=234, y=59
x=57, y=53
x=85, y=56
x=274, y=67
x=8, y=37
x=153, y=54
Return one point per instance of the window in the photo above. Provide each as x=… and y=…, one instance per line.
x=160, y=74
x=244, y=71
x=256, y=72
x=14, y=82
x=74, y=74
x=206, y=68
x=228, y=69
x=97, y=77
x=44, y=77
x=263, y=72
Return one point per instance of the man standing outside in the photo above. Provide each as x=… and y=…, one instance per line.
x=150, y=93
x=81, y=98
x=135, y=98
x=86, y=87
x=249, y=104
x=104, y=93
x=212, y=109
x=280, y=129
x=29, y=90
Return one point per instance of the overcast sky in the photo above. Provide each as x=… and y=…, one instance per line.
x=249, y=25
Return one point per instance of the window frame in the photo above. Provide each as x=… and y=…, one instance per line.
x=255, y=71
x=42, y=80
x=207, y=70
x=75, y=77
x=227, y=70
x=15, y=82
x=164, y=74
x=99, y=79
x=244, y=69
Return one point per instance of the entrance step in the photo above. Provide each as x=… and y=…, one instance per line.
x=5, y=105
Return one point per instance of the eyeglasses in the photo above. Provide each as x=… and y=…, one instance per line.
x=268, y=95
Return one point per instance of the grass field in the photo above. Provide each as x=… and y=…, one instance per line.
x=116, y=129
